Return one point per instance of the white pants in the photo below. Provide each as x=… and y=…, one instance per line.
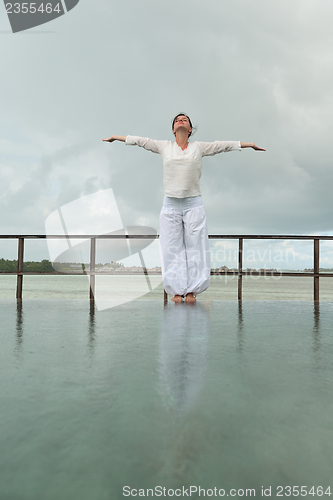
x=184, y=246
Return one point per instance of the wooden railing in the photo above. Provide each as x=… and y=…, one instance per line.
x=240, y=273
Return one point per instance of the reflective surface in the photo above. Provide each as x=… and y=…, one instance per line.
x=215, y=394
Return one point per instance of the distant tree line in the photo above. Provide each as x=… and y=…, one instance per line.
x=45, y=266
x=321, y=270
x=10, y=266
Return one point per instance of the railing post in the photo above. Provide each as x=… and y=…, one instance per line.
x=316, y=270
x=19, y=286
x=240, y=267
x=92, y=267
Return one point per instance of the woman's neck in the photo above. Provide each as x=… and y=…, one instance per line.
x=182, y=139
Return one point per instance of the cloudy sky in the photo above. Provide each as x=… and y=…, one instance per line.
x=257, y=71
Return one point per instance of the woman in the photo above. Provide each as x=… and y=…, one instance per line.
x=183, y=227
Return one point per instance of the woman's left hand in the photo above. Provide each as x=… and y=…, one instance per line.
x=256, y=148
x=251, y=145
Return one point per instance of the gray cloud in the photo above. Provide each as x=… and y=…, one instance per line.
x=251, y=71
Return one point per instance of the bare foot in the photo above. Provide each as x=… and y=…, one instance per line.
x=190, y=298
x=177, y=298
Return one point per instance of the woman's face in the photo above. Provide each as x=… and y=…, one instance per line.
x=182, y=122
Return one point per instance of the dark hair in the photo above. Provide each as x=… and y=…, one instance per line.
x=189, y=119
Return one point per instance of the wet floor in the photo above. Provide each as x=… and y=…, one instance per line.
x=211, y=395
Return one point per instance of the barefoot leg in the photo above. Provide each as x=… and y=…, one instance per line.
x=177, y=298
x=190, y=297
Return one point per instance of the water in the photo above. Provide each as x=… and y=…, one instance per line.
x=215, y=394
x=221, y=288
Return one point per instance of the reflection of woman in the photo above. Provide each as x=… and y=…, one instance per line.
x=183, y=227
x=183, y=353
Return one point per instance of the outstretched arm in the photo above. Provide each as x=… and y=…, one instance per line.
x=143, y=142
x=121, y=138
x=251, y=145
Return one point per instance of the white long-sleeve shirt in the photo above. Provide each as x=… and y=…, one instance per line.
x=182, y=169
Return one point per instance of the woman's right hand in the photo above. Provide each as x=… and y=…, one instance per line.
x=116, y=138
x=111, y=139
